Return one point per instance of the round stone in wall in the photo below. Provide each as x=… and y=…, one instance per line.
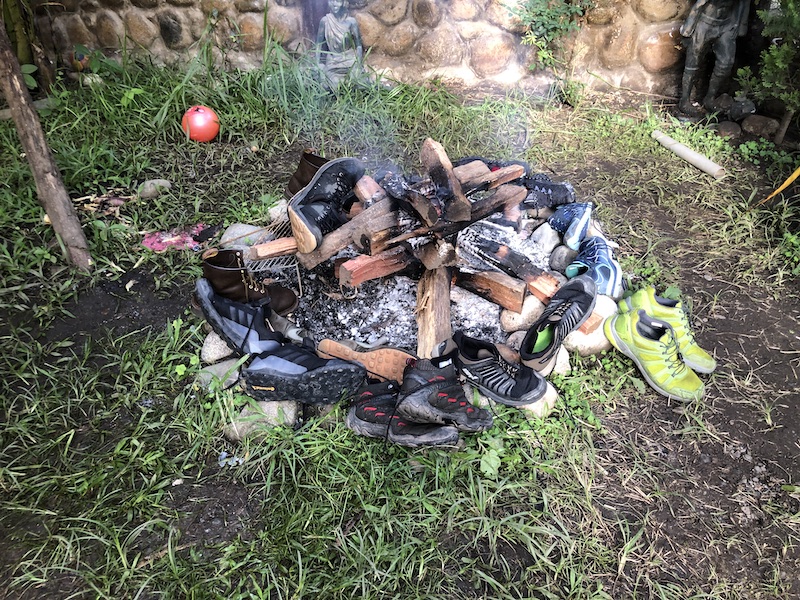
x=109, y=30
x=181, y=2
x=173, y=29
x=251, y=32
x=283, y=23
x=491, y=54
x=399, y=39
x=72, y=30
x=660, y=47
x=603, y=12
x=144, y=3
x=464, y=10
x=250, y=5
x=389, y=12
x=441, y=47
x=112, y=3
x=426, y=13
x=497, y=13
x=619, y=44
x=140, y=28
x=657, y=11
x=223, y=7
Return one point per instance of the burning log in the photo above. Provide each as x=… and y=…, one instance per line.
x=433, y=311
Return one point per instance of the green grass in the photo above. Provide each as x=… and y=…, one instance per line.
x=108, y=455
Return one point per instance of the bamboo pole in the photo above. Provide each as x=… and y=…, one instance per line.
x=693, y=158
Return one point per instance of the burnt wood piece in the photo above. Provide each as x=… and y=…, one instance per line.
x=504, y=195
x=379, y=214
x=495, y=286
x=433, y=311
x=440, y=170
x=356, y=271
x=423, y=202
x=435, y=254
x=273, y=249
x=368, y=191
x=493, y=179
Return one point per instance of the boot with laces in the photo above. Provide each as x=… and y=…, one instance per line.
x=318, y=208
x=308, y=166
x=650, y=344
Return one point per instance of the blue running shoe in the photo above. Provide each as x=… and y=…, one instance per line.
x=596, y=260
x=572, y=221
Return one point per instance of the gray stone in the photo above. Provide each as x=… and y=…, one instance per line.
x=759, y=125
x=659, y=48
x=225, y=374
x=284, y=24
x=741, y=108
x=532, y=309
x=657, y=11
x=544, y=406
x=258, y=417
x=214, y=349
x=546, y=238
x=152, y=188
x=400, y=39
x=561, y=257
x=426, y=13
x=604, y=12
x=729, y=129
x=181, y=2
x=242, y=234
x=140, y=28
x=588, y=344
x=70, y=30
x=464, y=10
x=441, y=47
x=223, y=7
x=372, y=30
x=491, y=54
x=112, y=4
x=144, y=3
x=389, y=12
x=278, y=212
x=497, y=13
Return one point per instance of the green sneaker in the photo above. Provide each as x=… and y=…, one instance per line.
x=650, y=343
x=672, y=312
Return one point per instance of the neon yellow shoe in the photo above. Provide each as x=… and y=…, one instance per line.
x=672, y=312
x=650, y=343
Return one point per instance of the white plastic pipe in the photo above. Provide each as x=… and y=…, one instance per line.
x=689, y=155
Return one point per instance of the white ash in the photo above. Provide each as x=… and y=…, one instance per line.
x=468, y=246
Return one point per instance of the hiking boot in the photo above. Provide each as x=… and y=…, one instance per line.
x=572, y=221
x=480, y=362
x=318, y=208
x=242, y=326
x=226, y=272
x=308, y=166
x=650, y=344
x=372, y=414
x=543, y=193
x=385, y=363
x=567, y=310
x=595, y=259
x=673, y=313
x=431, y=393
x=290, y=372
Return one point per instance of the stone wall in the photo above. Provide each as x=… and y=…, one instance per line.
x=629, y=43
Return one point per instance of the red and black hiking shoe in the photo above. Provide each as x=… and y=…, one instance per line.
x=372, y=414
x=431, y=393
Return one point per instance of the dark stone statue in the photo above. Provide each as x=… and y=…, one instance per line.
x=339, y=49
x=711, y=25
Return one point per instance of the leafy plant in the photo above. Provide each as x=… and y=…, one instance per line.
x=547, y=23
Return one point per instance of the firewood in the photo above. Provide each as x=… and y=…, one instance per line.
x=471, y=170
x=280, y=247
x=493, y=179
x=436, y=254
x=440, y=170
x=356, y=271
x=368, y=191
x=497, y=287
x=433, y=311
x=421, y=204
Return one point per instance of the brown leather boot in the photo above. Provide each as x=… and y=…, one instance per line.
x=310, y=163
x=226, y=271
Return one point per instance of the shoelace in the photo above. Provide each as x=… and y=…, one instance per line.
x=248, y=280
x=670, y=354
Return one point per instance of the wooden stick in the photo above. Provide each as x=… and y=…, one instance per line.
x=497, y=287
x=440, y=169
x=356, y=271
x=433, y=311
x=274, y=248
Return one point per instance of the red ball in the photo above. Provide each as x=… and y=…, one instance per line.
x=201, y=123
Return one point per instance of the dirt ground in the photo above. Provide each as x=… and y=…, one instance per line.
x=718, y=505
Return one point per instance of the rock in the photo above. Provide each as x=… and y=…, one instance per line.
x=761, y=126
x=588, y=344
x=440, y=47
x=603, y=12
x=546, y=237
x=109, y=30
x=514, y=340
x=257, y=417
x=656, y=11
x=741, y=108
x=659, y=48
x=226, y=372
x=142, y=30
x=251, y=32
x=389, y=12
x=561, y=258
x=464, y=10
x=491, y=54
x=175, y=30
x=511, y=321
x=544, y=406
x=152, y=188
x=278, y=212
x=562, y=366
x=284, y=24
x=426, y=13
x=242, y=234
x=214, y=349
x=401, y=39
x=729, y=129
x=618, y=44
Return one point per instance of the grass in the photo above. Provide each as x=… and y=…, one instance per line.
x=109, y=482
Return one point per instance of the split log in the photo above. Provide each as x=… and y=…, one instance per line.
x=497, y=287
x=368, y=191
x=436, y=254
x=379, y=214
x=421, y=204
x=440, y=170
x=433, y=311
x=493, y=179
x=471, y=170
x=356, y=271
x=273, y=249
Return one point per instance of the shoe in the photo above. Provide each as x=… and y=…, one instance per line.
x=650, y=343
x=673, y=313
x=385, y=363
x=291, y=372
x=596, y=260
x=308, y=166
x=567, y=310
x=373, y=414
x=226, y=272
x=572, y=221
x=480, y=362
x=318, y=208
x=431, y=393
x=543, y=193
x=242, y=326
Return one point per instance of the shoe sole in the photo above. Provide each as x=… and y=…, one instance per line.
x=416, y=441
x=623, y=347
x=325, y=385
x=505, y=399
x=306, y=239
x=387, y=364
x=365, y=428
x=415, y=407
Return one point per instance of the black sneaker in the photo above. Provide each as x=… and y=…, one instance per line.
x=480, y=362
x=317, y=209
x=373, y=414
x=290, y=372
x=567, y=310
x=431, y=393
x=543, y=193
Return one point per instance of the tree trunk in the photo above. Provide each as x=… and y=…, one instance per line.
x=788, y=115
x=49, y=186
